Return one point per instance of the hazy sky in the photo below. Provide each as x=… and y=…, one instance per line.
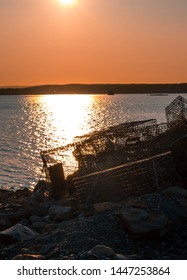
x=93, y=41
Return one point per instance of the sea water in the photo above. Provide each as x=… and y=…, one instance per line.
x=30, y=124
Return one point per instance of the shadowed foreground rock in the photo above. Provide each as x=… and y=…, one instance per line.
x=151, y=226
x=141, y=225
x=17, y=233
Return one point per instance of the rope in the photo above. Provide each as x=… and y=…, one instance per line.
x=156, y=177
x=92, y=189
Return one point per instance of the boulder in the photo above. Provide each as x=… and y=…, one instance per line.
x=4, y=222
x=38, y=226
x=35, y=219
x=103, y=206
x=47, y=219
x=174, y=210
x=29, y=257
x=10, y=217
x=17, y=233
x=60, y=213
x=41, y=190
x=101, y=252
x=175, y=192
x=32, y=207
x=73, y=203
x=24, y=222
x=49, y=227
x=140, y=224
x=136, y=203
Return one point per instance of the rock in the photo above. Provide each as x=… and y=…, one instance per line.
x=38, y=227
x=41, y=185
x=41, y=190
x=141, y=225
x=175, y=192
x=175, y=210
x=10, y=217
x=35, y=219
x=73, y=203
x=59, y=213
x=33, y=250
x=29, y=257
x=119, y=257
x=23, y=192
x=101, y=251
x=134, y=214
x=24, y=222
x=134, y=257
x=60, y=201
x=54, y=253
x=88, y=210
x=17, y=233
x=103, y=206
x=48, y=219
x=49, y=228
x=60, y=226
x=136, y=203
x=32, y=207
x=4, y=222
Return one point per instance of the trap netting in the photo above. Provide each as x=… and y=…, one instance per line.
x=105, y=148
x=176, y=110
x=123, y=159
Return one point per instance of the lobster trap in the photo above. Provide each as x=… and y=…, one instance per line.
x=176, y=110
x=129, y=158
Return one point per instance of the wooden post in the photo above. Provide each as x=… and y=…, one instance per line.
x=58, y=182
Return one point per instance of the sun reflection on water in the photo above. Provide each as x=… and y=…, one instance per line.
x=67, y=115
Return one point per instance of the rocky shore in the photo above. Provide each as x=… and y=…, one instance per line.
x=151, y=226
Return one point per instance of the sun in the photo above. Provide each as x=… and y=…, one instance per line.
x=67, y=2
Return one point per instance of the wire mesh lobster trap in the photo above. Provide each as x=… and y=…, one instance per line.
x=104, y=149
x=132, y=179
x=176, y=110
x=129, y=158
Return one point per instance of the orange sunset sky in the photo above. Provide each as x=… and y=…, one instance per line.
x=92, y=41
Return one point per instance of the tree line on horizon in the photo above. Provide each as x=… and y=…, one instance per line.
x=95, y=89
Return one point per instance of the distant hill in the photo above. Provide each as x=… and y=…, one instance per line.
x=95, y=89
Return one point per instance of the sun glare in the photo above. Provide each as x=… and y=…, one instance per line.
x=67, y=2
x=67, y=115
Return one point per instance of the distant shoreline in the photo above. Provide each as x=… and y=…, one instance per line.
x=160, y=89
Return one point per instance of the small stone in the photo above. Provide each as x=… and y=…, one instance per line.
x=47, y=219
x=49, y=227
x=100, y=207
x=61, y=225
x=35, y=219
x=38, y=227
x=101, y=251
x=60, y=213
x=24, y=222
x=73, y=203
x=119, y=257
x=41, y=190
x=136, y=203
x=32, y=207
x=29, y=257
